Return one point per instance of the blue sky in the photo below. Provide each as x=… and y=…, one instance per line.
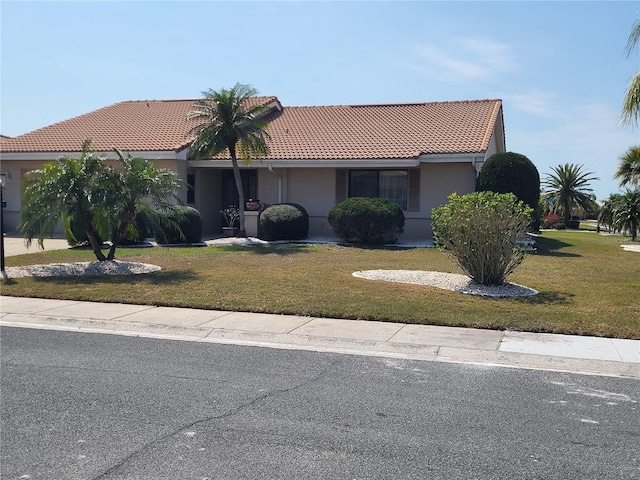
x=559, y=67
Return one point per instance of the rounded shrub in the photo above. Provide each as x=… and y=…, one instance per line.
x=481, y=232
x=367, y=221
x=511, y=172
x=180, y=225
x=284, y=221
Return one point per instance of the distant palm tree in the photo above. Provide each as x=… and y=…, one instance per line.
x=631, y=106
x=629, y=168
x=626, y=213
x=228, y=121
x=607, y=212
x=567, y=187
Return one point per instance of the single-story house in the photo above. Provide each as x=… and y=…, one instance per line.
x=415, y=154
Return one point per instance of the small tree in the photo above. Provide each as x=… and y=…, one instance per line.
x=626, y=213
x=480, y=231
x=101, y=200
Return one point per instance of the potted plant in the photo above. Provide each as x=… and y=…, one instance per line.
x=231, y=216
x=253, y=205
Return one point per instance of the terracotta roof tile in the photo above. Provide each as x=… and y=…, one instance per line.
x=321, y=132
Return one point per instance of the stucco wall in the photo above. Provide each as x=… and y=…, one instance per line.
x=18, y=168
x=12, y=194
x=314, y=189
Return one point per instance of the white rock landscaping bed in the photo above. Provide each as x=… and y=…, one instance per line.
x=114, y=267
x=446, y=281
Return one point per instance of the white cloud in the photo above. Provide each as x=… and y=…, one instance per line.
x=465, y=59
x=537, y=103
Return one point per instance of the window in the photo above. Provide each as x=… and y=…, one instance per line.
x=191, y=190
x=388, y=184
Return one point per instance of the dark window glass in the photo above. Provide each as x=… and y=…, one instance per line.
x=191, y=191
x=388, y=184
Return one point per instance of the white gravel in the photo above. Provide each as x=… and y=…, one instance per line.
x=446, y=281
x=114, y=267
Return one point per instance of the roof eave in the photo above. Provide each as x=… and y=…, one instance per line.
x=312, y=163
x=49, y=156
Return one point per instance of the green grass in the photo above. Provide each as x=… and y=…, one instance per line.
x=588, y=285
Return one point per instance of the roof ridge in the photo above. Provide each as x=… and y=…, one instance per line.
x=397, y=104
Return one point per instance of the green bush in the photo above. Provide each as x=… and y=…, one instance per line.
x=573, y=224
x=511, y=172
x=367, y=221
x=480, y=231
x=181, y=225
x=284, y=221
x=75, y=231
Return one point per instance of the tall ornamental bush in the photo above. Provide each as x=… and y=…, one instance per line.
x=367, y=221
x=511, y=172
x=480, y=231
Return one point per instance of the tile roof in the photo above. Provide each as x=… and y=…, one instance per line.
x=319, y=132
x=383, y=131
x=144, y=125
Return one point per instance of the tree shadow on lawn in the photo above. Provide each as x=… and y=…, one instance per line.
x=546, y=298
x=154, y=278
x=550, y=247
x=278, y=249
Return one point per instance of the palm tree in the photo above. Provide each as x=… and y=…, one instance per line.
x=227, y=120
x=64, y=190
x=567, y=187
x=102, y=201
x=607, y=211
x=631, y=106
x=629, y=169
x=137, y=183
x=626, y=213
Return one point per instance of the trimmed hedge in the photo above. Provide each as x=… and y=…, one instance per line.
x=367, y=221
x=184, y=225
x=284, y=221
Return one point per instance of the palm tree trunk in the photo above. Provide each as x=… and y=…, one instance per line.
x=567, y=213
x=236, y=175
x=92, y=236
x=126, y=220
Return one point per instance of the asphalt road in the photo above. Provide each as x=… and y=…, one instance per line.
x=92, y=406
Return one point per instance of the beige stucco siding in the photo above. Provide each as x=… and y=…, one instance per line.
x=12, y=194
x=315, y=190
x=437, y=182
x=18, y=168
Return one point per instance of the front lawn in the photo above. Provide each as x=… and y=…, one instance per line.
x=588, y=285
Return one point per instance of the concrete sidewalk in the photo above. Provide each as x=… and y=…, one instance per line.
x=589, y=355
